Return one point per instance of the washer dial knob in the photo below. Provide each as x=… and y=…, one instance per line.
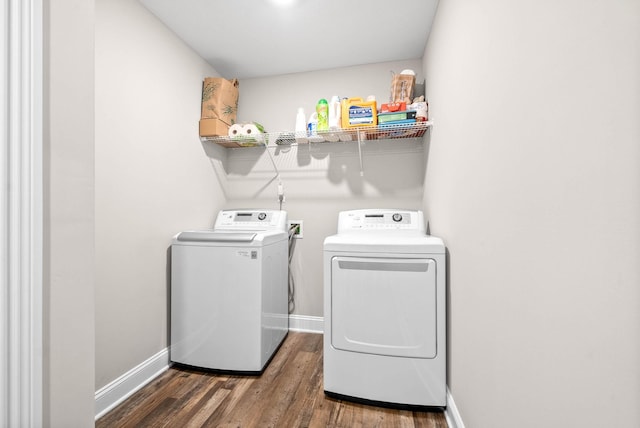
x=397, y=217
x=262, y=216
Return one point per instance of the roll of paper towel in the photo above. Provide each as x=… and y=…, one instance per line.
x=247, y=135
x=253, y=136
x=251, y=130
x=236, y=130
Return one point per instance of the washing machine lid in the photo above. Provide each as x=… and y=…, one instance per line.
x=385, y=242
x=213, y=236
x=229, y=238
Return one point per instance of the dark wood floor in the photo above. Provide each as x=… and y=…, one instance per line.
x=288, y=394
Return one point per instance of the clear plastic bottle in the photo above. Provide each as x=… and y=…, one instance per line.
x=312, y=125
x=313, y=129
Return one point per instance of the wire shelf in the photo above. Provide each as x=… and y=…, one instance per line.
x=380, y=132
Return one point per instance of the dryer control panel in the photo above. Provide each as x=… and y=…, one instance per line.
x=380, y=219
x=251, y=220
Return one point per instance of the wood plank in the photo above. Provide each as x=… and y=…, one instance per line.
x=288, y=394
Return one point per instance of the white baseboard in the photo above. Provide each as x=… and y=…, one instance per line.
x=123, y=387
x=451, y=413
x=306, y=324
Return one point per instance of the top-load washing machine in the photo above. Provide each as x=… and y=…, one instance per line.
x=229, y=291
x=384, y=310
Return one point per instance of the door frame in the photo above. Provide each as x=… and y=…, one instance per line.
x=21, y=213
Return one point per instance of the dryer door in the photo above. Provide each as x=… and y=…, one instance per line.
x=384, y=306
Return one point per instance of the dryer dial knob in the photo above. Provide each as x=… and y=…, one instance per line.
x=262, y=216
x=397, y=217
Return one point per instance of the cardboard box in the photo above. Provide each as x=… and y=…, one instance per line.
x=220, y=99
x=213, y=128
x=393, y=107
x=396, y=116
x=402, y=88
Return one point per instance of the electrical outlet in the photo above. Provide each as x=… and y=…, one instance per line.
x=298, y=228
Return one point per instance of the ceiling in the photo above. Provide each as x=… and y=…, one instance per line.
x=258, y=38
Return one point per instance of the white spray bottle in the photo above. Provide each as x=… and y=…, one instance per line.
x=301, y=127
x=334, y=113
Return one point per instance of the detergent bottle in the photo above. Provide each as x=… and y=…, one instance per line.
x=312, y=125
x=313, y=129
x=322, y=108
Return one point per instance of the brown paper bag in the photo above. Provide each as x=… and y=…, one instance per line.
x=220, y=99
x=402, y=86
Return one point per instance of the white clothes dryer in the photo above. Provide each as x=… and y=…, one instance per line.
x=384, y=310
x=229, y=292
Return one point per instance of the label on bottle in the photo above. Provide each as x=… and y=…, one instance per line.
x=323, y=116
x=312, y=128
x=360, y=115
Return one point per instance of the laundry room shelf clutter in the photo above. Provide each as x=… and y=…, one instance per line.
x=358, y=134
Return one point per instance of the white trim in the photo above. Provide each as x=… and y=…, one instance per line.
x=306, y=324
x=454, y=420
x=123, y=387
x=21, y=208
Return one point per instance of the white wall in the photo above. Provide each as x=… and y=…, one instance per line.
x=68, y=214
x=321, y=179
x=533, y=181
x=152, y=178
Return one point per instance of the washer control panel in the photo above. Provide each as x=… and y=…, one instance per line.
x=251, y=220
x=382, y=219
